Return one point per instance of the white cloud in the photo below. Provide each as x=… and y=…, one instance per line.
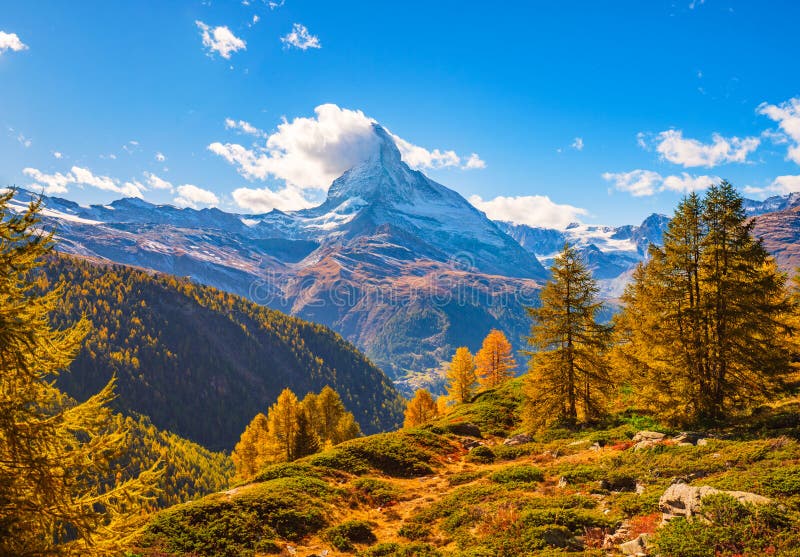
x=50, y=183
x=533, y=210
x=309, y=153
x=192, y=196
x=781, y=185
x=156, y=182
x=220, y=39
x=474, y=162
x=244, y=127
x=160, y=157
x=10, y=41
x=685, y=183
x=300, y=38
x=787, y=114
x=640, y=183
x=57, y=182
x=58, y=154
x=577, y=144
x=263, y=200
x=672, y=147
x=419, y=157
x=24, y=141
x=635, y=182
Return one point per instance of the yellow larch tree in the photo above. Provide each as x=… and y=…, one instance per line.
x=420, y=410
x=495, y=361
x=461, y=376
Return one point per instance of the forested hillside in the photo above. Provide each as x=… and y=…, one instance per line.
x=200, y=362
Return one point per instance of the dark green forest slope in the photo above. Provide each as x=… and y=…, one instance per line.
x=201, y=362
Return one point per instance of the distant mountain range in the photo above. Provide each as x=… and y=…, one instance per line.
x=402, y=266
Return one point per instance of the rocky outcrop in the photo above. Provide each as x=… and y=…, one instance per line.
x=520, y=439
x=635, y=547
x=684, y=500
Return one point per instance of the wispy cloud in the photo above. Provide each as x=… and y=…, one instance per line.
x=58, y=183
x=299, y=37
x=577, y=144
x=244, y=127
x=220, y=40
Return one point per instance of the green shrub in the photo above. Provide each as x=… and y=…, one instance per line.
x=730, y=528
x=376, y=491
x=465, y=477
x=396, y=550
x=414, y=531
x=344, y=535
x=576, y=520
x=481, y=454
x=218, y=525
x=400, y=454
x=513, y=452
x=784, y=481
x=581, y=474
x=522, y=473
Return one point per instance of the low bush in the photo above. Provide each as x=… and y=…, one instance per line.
x=344, y=535
x=465, y=477
x=729, y=528
x=522, y=473
x=376, y=492
x=481, y=454
x=414, y=531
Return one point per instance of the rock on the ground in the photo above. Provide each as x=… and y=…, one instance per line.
x=650, y=435
x=469, y=444
x=647, y=439
x=685, y=500
x=520, y=439
x=635, y=547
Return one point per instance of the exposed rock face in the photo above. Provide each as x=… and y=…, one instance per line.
x=683, y=500
x=635, y=547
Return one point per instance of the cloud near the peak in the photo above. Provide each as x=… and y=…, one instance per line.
x=533, y=210
x=308, y=153
x=641, y=183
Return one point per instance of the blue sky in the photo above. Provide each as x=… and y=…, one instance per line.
x=598, y=111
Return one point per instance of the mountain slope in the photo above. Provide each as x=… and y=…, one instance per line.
x=780, y=232
x=392, y=260
x=200, y=362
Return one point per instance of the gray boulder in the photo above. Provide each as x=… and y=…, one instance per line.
x=520, y=439
x=685, y=500
x=635, y=547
